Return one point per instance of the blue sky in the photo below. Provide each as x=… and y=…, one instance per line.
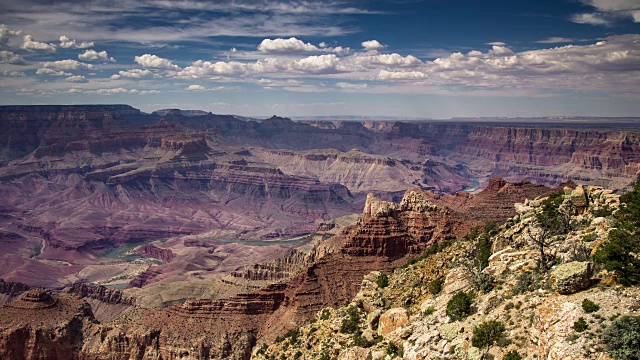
x=431, y=58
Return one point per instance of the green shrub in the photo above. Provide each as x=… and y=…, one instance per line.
x=580, y=325
x=512, y=355
x=482, y=282
x=428, y=311
x=350, y=323
x=393, y=350
x=622, y=338
x=603, y=211
x=589, y=306
x=435, y=286
x=459, y=307
x=325, y=314
x=297, y=355
x=486, y=334
x=383, y=280
x=617, y=253
x=525, y=280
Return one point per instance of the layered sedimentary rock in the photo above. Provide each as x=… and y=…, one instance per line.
x=229, y=328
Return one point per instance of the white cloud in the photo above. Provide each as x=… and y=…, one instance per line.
x=134, y=74
x=68, y=43
x=369, y=60
x=233, y=50
x=373, y=45
x=609, y=11
x=291, y=45
x=68, y=65
x=77, y=79
x=351, y=86
x=321, y=64
x=155, y=62
x=195, y=88
x=591, y=19
x=400, y=75
x=500, y=50
x=30, y=44
x=6, y=34
x=52, y=72
x=496, y=43
x=13, y=73
x=8, y=57
x=555, y=40
x=92, y=55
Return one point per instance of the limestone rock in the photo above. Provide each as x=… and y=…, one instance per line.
x=355, y=353
x=457, y=279
x=391, y=320
x=373, y=319
x=572, y=277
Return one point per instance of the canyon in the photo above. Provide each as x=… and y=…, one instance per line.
x=193, y=235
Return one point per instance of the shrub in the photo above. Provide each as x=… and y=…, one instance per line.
x=393, y=350
x=482, y=282
x=325, y=315
x=383, y=281
x=459, y=307
x=428, y=311
x=589, y=306
x=524, y=281
x=350, y=323
x=617, y=253
x=435, y=286
x=622, y=338
x=580, y=325
x=297, y=355
x=486, y=334
x=512, y=355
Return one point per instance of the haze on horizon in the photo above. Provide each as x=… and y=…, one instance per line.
x=426, y=59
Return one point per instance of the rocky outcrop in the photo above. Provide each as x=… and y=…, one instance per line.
x=391, y=320
x=569, y=278
x=101, y=293
x=152, y=251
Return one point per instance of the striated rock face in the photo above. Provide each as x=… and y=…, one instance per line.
x=152, y=251
x=101, y=293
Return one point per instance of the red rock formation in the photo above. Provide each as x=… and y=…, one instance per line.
x=101, y=293
x=152, y=251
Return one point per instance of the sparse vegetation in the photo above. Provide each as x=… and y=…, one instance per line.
x=553, y=219
x=435, y=286
x=525, y=280
x=459, y=307
x=487, y=334
x=393, y=350
x=622, y=338
x=349, y=324
x=325, y=314
x=428, y=311
x=589, y=306
x=512, y=355
x=580, y=325
x=383, y=280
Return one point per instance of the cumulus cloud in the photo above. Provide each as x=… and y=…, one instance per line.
x=68, y=65
x=8, y=57
x=400, y=75
x=370, y=60
x=52, y=72
x=120, y=90
x=155, y=62
x=609, y=11
x=13, y=73
x=496, y=43
x=67, y=43
x=195, y=88
x=554, y=40
x=134, y=74
x=351, y=86
x=291, y=45
x=92, y=55
x=372, y=45
x=77, y=79
x=6, y=34
x=31, y=45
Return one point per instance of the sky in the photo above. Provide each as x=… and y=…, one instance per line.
x=409, y=58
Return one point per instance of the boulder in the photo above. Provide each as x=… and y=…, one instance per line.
x=571, y=277
x=391, y=320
